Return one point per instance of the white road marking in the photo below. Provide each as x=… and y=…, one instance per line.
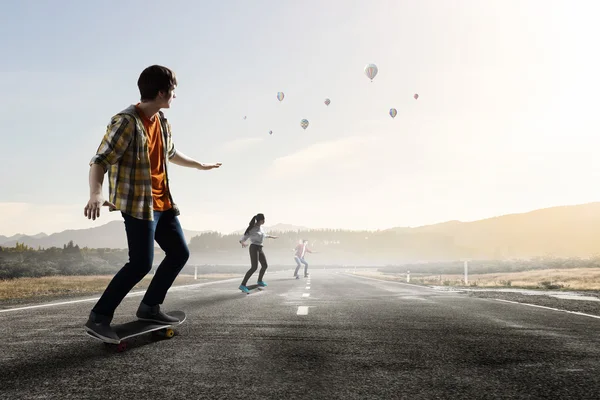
x=308, y=287
x=132, y=294
x=302, y=310
x=550, y=308
x=413, y=298
x=305, y=294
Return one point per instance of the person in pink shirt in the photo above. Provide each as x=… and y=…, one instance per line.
x=299, y=253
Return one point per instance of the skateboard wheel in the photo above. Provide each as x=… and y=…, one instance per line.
x=169, y=333
x=121, y=347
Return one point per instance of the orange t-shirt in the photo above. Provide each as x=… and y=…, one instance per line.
x=160, y=195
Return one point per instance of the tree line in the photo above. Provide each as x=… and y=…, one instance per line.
x=388, y=251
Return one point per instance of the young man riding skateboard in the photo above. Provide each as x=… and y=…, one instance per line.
x=135, y=152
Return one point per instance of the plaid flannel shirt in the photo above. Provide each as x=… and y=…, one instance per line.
x=123, y=152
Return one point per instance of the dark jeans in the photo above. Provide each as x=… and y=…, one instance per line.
x=167, y=232
x=256, y=255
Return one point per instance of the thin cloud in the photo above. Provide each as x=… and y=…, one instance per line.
x=240, y=144
x=319, y=154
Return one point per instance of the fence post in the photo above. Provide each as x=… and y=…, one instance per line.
x=195, y=272
x=407, y=276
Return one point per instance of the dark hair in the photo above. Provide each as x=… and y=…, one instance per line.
x=154, y=79
x=253, y=221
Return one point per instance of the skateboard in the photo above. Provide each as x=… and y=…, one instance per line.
x=136, y=328
x=255, y=286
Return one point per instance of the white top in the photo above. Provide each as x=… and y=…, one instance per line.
x=256, y=235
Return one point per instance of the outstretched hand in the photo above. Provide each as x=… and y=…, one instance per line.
x=92, y=209
x=243, y=244
x=210, y=166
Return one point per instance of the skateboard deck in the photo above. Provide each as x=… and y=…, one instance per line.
x=255, y=286
x=136, y=328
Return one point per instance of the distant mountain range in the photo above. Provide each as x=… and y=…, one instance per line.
x=110, y=235
x=561, y=231
x=6, y=239
x=566, y=231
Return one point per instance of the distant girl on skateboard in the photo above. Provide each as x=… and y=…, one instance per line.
x=299, y=253
x=256, y=235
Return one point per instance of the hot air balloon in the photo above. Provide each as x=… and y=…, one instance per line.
x=327, y=101
x=416, y=96
x=280, y=96
x=371, y=71
x=393, y=112
x=270, y=132
x=244, y=117
x=304, y=123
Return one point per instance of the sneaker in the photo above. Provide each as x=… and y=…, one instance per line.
x=306, y=276
x=297, y=276
x=261, y=283
x=154, y=314
x=244, y=289
x=99, y=325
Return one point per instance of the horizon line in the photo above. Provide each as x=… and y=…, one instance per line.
x=316, y=229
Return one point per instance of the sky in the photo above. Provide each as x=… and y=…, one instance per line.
x=506, y=120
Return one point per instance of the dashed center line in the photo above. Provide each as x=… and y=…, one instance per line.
x=302, y=310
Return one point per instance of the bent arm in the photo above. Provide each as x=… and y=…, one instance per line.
x=114, y=143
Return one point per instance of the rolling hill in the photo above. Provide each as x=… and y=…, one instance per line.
x=110, y=235
x=564, y=231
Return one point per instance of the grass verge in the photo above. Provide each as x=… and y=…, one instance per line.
x=54, y=286
x=581, y=279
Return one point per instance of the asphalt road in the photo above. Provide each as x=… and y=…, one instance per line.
x=359, y=338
